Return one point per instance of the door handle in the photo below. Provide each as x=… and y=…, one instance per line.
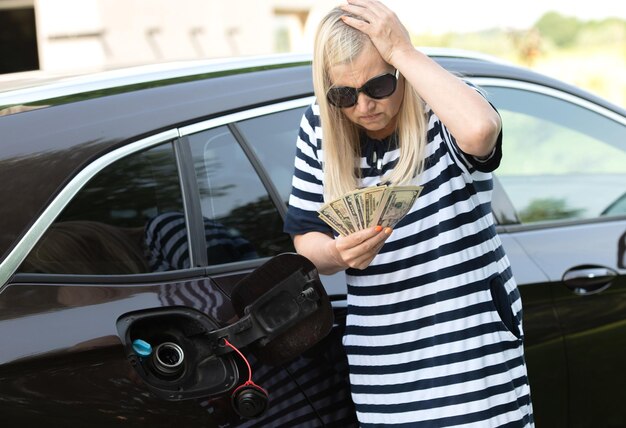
x=589, y=279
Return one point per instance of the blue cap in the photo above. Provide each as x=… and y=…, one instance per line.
x=142, y=348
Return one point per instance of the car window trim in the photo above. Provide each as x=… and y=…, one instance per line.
x=194, y=222
x=503, y=210
x=553, y=224
x=232, y=268
x=271, y=189
x=245, y=114
x=484, y=82
x=136, y=278
x=24, y=246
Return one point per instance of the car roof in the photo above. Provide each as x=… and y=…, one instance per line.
x=34, y=88
x=31, y=90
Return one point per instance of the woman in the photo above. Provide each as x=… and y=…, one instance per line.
x=434, y=334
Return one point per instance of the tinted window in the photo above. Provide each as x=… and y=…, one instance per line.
x=273, y=139
x=104, y=228
x=560, y=161
x=241, y=221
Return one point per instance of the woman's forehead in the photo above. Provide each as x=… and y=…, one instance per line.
x=359, y=69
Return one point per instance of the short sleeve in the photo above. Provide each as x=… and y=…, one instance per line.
x=486, y=164
x=307, y=191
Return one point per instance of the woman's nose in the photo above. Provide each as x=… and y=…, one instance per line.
x=364, y=103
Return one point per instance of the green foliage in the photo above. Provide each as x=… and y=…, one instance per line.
x=606, y=32
x=547, y=209
x=549, y=142
x=551, y=31
x=560, y=30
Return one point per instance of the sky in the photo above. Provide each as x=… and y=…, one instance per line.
x=441, y=16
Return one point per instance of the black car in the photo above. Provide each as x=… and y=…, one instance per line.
x=141, y=234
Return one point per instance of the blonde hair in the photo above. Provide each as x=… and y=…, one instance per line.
x=337, y=43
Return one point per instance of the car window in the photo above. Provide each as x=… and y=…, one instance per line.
x=273, y=139
x=241, y=221
x=560, y=161
x=104, y=230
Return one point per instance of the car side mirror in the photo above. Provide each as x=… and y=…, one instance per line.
x=181, y=353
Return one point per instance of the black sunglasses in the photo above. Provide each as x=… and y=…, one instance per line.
x=378, y=87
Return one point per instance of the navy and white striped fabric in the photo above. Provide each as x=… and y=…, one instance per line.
x=434, y=332
x=168, y=247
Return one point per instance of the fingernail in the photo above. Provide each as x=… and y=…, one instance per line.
x=378, y=228
x=388, y=230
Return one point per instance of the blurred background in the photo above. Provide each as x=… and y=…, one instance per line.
x=583, y=43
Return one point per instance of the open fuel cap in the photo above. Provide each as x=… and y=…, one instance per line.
x=142, y=348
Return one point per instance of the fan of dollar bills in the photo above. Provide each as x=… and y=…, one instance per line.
x=368, y=207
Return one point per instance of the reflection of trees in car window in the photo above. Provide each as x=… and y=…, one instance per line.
x=87, y=247
x=250, y=218
x=273, y=139
x=560, y=161
x=130, y=191
x=547, y=209
x=101, y=231
x=129, y=219
x=232, y=194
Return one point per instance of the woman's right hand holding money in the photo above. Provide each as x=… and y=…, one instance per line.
x=331, y=255
x=358, y=249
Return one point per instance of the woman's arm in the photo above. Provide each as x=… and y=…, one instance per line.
x=331, y=255
x=470, y=118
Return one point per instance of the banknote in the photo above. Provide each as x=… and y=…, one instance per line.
x=367, y=207
x=331, y=219
x=371, y=197
x=343, y=213
x=396, y=204
x=354, y=210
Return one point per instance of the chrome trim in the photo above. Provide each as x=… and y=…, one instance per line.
x=243, y=115
x=555, y=93
x=65, y=86
x=591, y=273
x=36, y=231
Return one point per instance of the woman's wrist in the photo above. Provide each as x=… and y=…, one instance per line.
x=334, y=256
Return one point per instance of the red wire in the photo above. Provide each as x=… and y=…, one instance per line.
x=244, y=358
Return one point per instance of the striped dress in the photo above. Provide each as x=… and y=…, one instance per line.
x=434, y=334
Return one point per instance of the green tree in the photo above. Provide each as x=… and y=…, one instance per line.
x=561, y=30
x=548, y=209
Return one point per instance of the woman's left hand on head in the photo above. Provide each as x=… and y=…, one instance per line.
x=382, y=26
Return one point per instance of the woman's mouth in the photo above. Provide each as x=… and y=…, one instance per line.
x=370, y=117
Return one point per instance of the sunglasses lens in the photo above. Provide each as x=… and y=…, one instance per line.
x=380, y=87
x=342, y=96
x=376, y=88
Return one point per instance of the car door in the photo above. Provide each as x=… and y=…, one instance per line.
x=564, y=171
x=121, y=245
